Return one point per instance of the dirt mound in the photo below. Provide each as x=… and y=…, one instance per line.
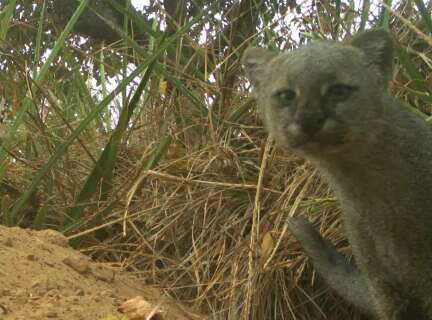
x=41, y=277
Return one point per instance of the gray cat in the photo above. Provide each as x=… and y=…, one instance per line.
x=329, y=103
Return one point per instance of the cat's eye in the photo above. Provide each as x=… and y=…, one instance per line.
x=339, y=92
x=285, y=95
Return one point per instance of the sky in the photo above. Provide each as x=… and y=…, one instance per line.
x=140, y=3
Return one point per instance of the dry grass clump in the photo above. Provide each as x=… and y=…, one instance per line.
x=208, y=223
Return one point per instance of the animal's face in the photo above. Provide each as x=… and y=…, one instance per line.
x=318, y=98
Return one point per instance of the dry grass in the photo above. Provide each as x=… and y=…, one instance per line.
x=196, y=204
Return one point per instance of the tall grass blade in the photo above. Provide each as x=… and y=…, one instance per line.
x=38, y=47
x=61, y=148
x=8, y=140
x=5, y=19
x=104, y=166
x=385, y=14
x=166, y=46
x=426, y=16
x=39, y=221
x=338, y=18
x=416, y=79
x=161, y=149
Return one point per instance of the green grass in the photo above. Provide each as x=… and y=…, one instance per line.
x=148, y=152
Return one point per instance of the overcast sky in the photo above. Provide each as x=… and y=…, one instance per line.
x=139, y=3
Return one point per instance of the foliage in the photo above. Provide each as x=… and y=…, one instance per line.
x=143, y=146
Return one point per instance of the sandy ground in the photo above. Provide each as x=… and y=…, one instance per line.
x=41, y=277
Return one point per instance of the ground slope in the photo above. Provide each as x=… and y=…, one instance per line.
x=41, y=277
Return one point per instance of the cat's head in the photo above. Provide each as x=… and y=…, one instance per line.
x=321, y=96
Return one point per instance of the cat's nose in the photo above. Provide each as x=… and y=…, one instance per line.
x=310, y=122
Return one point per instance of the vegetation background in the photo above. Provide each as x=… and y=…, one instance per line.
x=132, y=131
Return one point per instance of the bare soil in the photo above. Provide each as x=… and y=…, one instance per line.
x=41, y=277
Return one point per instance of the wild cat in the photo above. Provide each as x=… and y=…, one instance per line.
x=329, y=102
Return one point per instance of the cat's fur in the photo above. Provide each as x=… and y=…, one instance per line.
x=329, y=102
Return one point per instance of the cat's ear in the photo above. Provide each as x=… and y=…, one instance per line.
x=377, y=44
x=254, y=61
